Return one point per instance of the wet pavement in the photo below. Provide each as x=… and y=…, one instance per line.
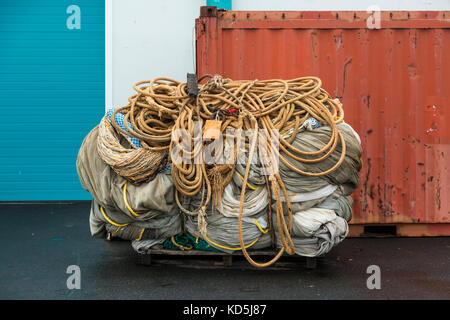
x=39, y=242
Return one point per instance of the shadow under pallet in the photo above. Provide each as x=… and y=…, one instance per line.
x=209, y=259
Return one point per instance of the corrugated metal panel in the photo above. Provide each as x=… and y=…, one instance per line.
x=51, y=95
x=394, y=83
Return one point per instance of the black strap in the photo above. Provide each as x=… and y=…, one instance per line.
x=192, y=85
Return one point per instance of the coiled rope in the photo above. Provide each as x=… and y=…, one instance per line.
x=163, y=105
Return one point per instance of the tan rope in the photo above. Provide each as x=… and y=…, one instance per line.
x=136, y=164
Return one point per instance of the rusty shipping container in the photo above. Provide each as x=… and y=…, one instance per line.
x=394, y=83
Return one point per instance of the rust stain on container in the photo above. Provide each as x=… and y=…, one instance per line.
x=394, y=83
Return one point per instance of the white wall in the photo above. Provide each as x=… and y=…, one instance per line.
x=149, y=38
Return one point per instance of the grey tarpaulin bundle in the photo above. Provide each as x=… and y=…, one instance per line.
x=124, y=210
x=141, y=194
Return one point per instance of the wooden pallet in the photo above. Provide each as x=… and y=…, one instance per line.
x=399, y=230
x=198, y=258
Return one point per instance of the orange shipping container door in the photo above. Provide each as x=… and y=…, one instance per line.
x=394, y=83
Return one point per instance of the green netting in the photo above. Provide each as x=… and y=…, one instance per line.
x=187, y=242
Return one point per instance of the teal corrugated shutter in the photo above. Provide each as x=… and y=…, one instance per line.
x=51, y=94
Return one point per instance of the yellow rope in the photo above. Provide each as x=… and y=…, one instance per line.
x=229, y=248
x=140, y=235
x=117, y=230
x=259, y=227
x=110, y=221
x=118, y=225
x=179, y=245
x=126, y=202
x=248, y=184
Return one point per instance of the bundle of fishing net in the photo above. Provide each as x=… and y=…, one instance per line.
x=121, y=208
x=219, y=226
x=216, y=228
x=129, y=164
x=321, y=205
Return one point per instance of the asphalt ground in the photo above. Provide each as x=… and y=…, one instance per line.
x=39, y=241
